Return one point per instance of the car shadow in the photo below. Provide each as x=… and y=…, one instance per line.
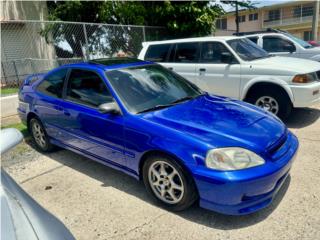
x=302, y=117
x=116, y=179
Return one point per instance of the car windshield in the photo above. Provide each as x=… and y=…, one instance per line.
x=150, y=87
x=247, y=50
x=299, y=41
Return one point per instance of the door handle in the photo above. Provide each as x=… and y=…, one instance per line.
x=202, y=69
x=170, y=68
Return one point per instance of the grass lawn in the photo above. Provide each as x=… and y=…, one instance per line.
x=8, y=91
x=20, y=126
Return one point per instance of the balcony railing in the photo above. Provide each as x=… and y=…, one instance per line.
x=287, y=21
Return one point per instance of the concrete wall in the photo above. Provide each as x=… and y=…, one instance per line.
x=23, y=40
x=24, y=10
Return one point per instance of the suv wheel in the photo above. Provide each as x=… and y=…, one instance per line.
x=168, y=183
x=39, y=136
x=272, y=100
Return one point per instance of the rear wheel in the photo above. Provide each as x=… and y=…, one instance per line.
x=168, y=183
x=39, y=136
x=272, y=100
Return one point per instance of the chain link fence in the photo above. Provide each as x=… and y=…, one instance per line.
x=29, y=47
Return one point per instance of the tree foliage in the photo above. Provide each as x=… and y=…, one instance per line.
x=178, y=18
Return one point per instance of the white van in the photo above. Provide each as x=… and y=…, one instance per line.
x=236, y=67
x=285, y=44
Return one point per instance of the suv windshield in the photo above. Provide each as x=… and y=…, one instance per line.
x=150, y=87
x=247, y=50
x=299, y=41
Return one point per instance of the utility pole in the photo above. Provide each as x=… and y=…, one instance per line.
x=237, y=17
x=315, y=20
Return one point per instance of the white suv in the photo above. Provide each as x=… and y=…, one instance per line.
x=285, y=44
x=237, y=68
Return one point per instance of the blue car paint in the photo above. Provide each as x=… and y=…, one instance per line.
x=185, y=131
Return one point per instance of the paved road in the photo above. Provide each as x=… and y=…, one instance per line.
x=96, y=202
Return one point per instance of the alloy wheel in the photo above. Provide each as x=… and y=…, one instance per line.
x=166, y=182
x=38, y=134
x=268, y=103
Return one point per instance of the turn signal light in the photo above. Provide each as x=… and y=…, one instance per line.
x=303, y=78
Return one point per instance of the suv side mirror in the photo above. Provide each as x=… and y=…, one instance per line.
x=226, y=57
x=111, y=108
x=289, y=47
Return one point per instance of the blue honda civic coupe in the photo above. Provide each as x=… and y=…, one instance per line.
x=185, y=144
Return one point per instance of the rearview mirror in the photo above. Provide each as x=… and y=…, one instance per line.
x=111, y=108
x=226, y=57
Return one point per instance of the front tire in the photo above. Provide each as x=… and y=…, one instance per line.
x=39, y=136
x=272, y=100
x=169, y=183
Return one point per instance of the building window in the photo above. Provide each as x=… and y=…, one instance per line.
x=307, y=35
x=221, y=24
x=274, y=15
x=307, y=10
x=253, y=16
x=303, y=11
x=242, y=18
x=297, y=11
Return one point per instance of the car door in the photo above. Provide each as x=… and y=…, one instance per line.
x=85, y=128
x=48, y=102
x=279, y=46
x=183, y=58
x=216, y=76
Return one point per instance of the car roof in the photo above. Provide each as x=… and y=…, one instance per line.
x=196, y=39
x=263, y=34
x=109, y=63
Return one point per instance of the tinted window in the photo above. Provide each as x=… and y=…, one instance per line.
x=253, y=39
x=52, y=84
x=157, y=53
x=211, y=52
x=86, y=87
x=247, y=50
x=186, y=52
x=276, y=44
x=145, y=87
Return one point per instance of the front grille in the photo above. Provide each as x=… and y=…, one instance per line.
x=318, y=75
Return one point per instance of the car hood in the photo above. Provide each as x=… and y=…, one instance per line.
x=295, y=65
x=221, y=122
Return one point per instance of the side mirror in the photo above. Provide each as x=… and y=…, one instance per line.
x=226, y=57
x=289, y=47
x=111, y=108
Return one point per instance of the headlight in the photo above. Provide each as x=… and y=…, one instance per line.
x=232, y=158
x=304, y=78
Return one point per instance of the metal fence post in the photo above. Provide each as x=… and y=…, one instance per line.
x=16, y=72
x=144, y=33
x=4, y=75
x=86, y=40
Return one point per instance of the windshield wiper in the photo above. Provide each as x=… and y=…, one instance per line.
x=182, y=99
x=157, y=107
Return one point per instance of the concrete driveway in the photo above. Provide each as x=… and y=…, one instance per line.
x=97, y=202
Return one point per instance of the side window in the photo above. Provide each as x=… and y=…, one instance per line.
x=253, y=39
x=86, y=87
x=52, y=84
x=187, y=53
x=276, y=44
x=211, y=52
x=157, y=53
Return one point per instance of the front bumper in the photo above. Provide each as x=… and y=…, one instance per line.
x=244, y=191
x=306, y=95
